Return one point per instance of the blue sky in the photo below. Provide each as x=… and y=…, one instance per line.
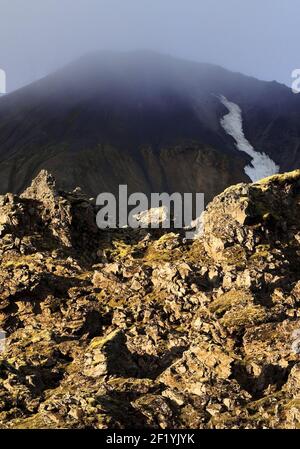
x=257, y=37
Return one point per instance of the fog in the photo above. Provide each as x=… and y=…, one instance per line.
x=257, y=37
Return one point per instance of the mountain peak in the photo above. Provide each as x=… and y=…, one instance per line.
x=111, y=118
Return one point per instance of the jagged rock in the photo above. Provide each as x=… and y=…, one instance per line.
x=69, y=216
x=245, y=214
x=109, y=356
x=198, y=366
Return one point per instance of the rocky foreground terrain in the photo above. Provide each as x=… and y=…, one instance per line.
x=116, y=329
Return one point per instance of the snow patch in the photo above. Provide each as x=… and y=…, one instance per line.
x=261, y=165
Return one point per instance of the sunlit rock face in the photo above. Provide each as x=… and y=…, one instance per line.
x=137, y=328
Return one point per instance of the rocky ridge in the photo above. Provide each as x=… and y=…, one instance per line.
x=139, y=328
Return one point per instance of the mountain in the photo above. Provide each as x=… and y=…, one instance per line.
x=148, y=120
x=145, y=329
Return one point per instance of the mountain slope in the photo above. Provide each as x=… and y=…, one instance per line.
x=145, y=119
